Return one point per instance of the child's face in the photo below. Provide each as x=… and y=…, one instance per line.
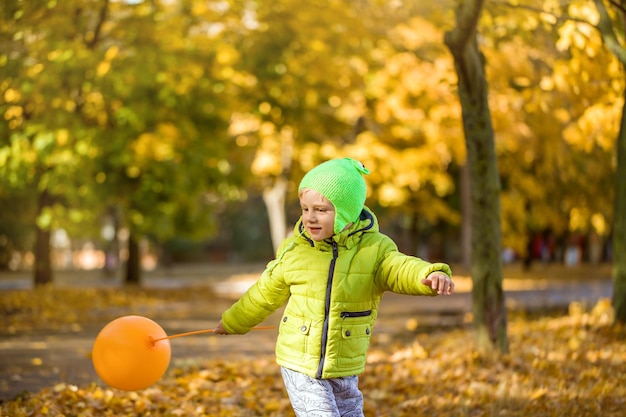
x=318, y=215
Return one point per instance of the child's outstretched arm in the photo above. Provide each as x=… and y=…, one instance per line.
x=439, y=282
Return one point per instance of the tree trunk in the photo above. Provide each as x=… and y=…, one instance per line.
x=112, y=245
x=274, y=198
x=619, y=228
x=466, y=218
x=133, y=263
x=43, y=263
x=486, y=267
x=609, y=36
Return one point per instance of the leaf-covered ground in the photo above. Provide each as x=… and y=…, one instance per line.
x=53, y=308
x=568, y=365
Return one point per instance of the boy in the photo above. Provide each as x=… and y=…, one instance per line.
x=332, y=273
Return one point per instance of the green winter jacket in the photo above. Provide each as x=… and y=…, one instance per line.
x=332, y=289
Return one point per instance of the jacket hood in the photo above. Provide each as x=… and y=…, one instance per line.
x=349, y=237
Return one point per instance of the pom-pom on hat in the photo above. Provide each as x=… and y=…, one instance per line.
x=341, y=182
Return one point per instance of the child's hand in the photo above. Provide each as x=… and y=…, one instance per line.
x=219, y=329
x=439, y=282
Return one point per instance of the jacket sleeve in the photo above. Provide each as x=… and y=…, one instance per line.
x=403, y=274
x=263, y=298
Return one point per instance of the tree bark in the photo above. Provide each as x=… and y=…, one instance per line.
x=466, y=218
x=43, y=263
x=619, y=228
x=488, y=305
x=274, y=198
x=133, y=263
x=610, y=39
x=112, y=245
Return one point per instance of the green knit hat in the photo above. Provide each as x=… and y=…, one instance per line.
x=341, y=182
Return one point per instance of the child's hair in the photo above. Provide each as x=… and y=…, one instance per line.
x=303, y=191
x=341, y=182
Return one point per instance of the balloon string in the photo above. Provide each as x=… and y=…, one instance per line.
x=153, y=341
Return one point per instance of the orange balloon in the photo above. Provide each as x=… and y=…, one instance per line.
x=126, y=355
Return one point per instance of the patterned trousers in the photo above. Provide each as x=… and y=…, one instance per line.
x=336, y=397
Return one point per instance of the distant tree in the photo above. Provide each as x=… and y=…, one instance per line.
x=488, y=304
x=352, y=81
x=607, y=27
x=46, y=149
x=305, y=66
x=16, y=219
x=166, y=159
x=552, y=117
x=113, y=104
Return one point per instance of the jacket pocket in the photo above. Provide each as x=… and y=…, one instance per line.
x=347, y=314
x=293, y=336
x=355, y=339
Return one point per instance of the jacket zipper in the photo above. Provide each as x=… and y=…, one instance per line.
x=346, y=314
x=329, y=287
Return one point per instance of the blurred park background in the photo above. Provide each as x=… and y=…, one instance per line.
x=159, y=143
x=138, y=134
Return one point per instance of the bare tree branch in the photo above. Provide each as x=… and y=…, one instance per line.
x=605, y=27
x=618, y=5
x=467, y=16
x=98, y=29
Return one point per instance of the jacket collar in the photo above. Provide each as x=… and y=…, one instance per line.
x=349, y=237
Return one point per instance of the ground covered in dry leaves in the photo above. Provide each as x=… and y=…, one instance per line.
x=572, y=364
